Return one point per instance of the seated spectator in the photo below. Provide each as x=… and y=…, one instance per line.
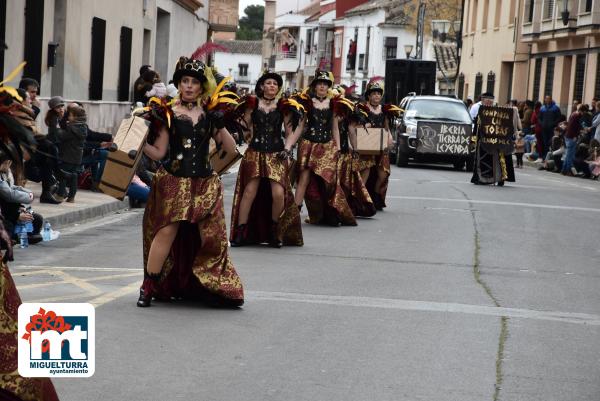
x=137, y=192
x=554, y=158
x=139, y=86
x=15, y=202
x=594, y=159
x=70, y=150
x=31, y=86
x=580, y=163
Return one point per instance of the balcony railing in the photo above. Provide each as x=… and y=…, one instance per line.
x=283, y=55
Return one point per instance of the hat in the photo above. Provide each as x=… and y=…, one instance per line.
x=189, y=67
x=375, y=84
x=267, y=75
x=55, y=101
x=487, y=95
x=324, y=76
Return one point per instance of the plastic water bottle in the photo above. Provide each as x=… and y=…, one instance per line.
x=23, y=239
x=47, y=232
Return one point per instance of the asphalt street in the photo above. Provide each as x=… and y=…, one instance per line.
x=454, y=292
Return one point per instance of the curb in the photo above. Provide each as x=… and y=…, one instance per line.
x=94, y=212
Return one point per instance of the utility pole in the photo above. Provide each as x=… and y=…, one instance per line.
x=420, y=29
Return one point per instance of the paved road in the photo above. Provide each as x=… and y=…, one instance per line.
x=455, y=292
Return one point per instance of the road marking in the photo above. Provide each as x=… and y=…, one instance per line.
x=499, y=203
x=118, y=293
x=425, y=306
x=55, y=269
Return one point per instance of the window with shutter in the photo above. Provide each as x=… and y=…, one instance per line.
x=478, y=84
x=549, y=81
x=537, y=78
x=579, y=77
x=124, y=64
x=97, y=59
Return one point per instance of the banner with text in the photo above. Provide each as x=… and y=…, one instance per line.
x=443, y=138
x=496, y=128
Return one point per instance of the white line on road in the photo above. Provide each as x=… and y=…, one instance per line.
x=424, y=306
x=499, y=203
x=49, y=269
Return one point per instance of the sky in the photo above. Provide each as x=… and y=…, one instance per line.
x=246, y=3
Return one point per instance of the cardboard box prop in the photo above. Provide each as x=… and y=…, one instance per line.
x=124, y=156
x=220, y=160
x=371, y=141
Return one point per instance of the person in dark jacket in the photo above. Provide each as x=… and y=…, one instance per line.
x=140, y=86
x=549, y=118
x=70, y=150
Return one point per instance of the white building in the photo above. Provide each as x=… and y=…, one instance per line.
x=99, y=46
x=243, y=61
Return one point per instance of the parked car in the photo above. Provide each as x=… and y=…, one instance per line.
x=434, y=129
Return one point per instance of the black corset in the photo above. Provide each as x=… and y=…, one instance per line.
x=343, y=125
x=188, y=148
x=266, y=128
x=319, y=125
x=377, y=120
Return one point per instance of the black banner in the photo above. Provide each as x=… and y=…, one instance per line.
x=496, y=128
x=443, y=138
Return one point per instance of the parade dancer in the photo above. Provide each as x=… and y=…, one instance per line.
x=491, y=166
x=263, y=203
x=318, y=156
x=184, y=232
x=375, y=170
x=349, y=176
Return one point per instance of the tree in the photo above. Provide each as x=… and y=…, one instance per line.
x=251, y=24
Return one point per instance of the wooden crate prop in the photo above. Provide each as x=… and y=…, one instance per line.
x=120, y=165
x=220, y=160
x=371, y=141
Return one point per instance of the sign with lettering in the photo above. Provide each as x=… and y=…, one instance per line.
x=496, y=128
x=443, y=138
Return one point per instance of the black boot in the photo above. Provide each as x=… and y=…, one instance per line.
x=148, y=289
x=48, y=197
x=241, y=235
x=274, y=241
x=377, y=201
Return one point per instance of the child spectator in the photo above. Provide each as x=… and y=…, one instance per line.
x=519, y=149
x=70, y=150
x=158, y=88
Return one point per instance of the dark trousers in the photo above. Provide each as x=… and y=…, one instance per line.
x=11, y=212
x=69, y=175
x=43, y=164
x=519, y=159
x=546, y=140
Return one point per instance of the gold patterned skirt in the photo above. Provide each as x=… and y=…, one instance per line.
x=351, y=182
x=324, y=197
x=12, y=385
x=381, y=163
x=268, y=168
x=198, y=266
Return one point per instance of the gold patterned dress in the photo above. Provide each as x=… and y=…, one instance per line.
x=261, y=161
x=324, y=197
x=187, y=191
x=14, y=387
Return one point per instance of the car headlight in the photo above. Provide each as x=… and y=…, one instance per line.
x=411, y=130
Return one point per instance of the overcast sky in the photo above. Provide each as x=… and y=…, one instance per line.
x=246, y=3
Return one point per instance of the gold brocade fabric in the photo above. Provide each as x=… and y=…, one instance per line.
x=324, y=194
x=267, y=167
x=351, y=182
x=366, y=161
x=381, y=163
x=198, y=202
x=27, y=389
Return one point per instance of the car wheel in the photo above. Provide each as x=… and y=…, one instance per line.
x=458, y=165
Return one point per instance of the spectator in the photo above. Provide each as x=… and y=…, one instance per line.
x=594, y=159
x=528, y=135
x=573, y=129
x=15, y=202
x=137, y=192
x=469, y=103
x=70, y=150
x=32, y=87
x=548, y=117
x=580, y=162
x=158, y=88
x=139, y=86
x=594, y=129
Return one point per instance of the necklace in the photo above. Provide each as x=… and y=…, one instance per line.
x=320, y=99
x=373, y=106
x=188, y=105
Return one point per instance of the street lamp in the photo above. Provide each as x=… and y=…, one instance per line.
x=408, y=49
x=565, y=13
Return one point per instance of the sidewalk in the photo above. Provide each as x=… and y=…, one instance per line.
x=88, y=205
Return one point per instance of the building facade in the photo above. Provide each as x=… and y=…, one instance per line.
x=564, y=43
x=493, y=58
x=91, y=51
x=242, y=61
x=223, y=17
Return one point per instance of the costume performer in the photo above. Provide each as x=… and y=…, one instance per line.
x=14, y=387
x=349, y=177
x=318, y=157
x=492, y=166
x=263, y=204
x=375, y=170
x=184, y=233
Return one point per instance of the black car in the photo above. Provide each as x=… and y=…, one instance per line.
x=434, y=129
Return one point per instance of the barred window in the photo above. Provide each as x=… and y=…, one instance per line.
x=491, y=82
x=461, y=86
x=549, y=76
x=597, y=86
x=579, y=77
x=478, y=85
x=537, y=78
x=548, y=9
x=588, y=6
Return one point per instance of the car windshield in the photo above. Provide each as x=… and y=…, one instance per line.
x=427, y=109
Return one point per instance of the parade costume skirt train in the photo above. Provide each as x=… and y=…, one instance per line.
x=356, y=193
x=324, y=197
x=267, y=167
x=373, y=163
x=198, y=266
x=14, y=387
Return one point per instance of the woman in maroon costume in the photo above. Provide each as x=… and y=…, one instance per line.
x=375, y=170
x=185, y=237
x=263, y=203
